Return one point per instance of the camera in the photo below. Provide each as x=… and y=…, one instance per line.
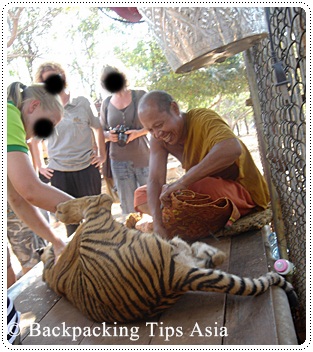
x=122, y=137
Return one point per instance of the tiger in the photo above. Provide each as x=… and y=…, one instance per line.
x=114, y=274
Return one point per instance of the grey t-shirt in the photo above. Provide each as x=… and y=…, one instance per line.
x=138, y=150
x=71, y=145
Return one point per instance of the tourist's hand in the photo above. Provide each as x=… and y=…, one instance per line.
x=113, y=137
x=132, y=134
x=48, y=173
x=58, y=248
x=97, y=160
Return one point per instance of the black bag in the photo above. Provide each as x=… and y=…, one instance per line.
x=106, y=166
x=108, y=176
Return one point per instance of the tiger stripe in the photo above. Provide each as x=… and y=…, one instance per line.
x=114, y=274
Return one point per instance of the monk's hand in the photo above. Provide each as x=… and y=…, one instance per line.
x=167, y=189
x=160, y=230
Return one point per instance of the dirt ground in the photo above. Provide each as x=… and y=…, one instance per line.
x=174, y=171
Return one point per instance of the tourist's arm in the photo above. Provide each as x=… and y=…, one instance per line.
x=99, y=158
x=26, y=183
x=37, y=157
x=32, y=217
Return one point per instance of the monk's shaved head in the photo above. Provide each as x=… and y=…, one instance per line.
x=156, y=98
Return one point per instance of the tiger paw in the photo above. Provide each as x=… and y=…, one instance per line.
x=207, y=256
x=145, y=224
x=132, y=219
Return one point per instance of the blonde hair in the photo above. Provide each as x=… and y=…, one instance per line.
x=18, y=93
x=50, y=66
x=109, y=69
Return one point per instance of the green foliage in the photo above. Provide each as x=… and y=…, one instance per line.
x=85, y=39
x=31, y=25
x=86, y=32
x=198, y=88
x=234, y=110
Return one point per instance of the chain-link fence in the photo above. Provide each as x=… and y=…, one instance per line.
x=279, y=66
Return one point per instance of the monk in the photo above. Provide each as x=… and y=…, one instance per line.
x=217, y=163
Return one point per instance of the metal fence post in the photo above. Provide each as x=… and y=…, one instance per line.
x=275, y=202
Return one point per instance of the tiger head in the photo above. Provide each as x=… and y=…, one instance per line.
x=75, y=210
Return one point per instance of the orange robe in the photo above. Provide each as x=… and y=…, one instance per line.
x=205, y=129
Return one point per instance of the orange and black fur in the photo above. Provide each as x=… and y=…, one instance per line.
x=115, y=274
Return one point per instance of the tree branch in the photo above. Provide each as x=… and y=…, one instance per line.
x=15, y=19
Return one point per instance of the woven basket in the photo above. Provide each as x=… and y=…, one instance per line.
x=194, y=216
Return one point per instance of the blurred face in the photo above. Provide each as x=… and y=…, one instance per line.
x=47, y=74
x=63, y=95
x=33, y=111
x=166, y=126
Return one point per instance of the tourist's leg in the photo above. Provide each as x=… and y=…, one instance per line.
x=125, y=181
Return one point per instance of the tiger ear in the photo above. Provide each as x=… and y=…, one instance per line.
x=106, y=201
x=40, y=251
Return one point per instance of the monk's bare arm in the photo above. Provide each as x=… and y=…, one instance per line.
x=220, y=157
x=157, y=178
